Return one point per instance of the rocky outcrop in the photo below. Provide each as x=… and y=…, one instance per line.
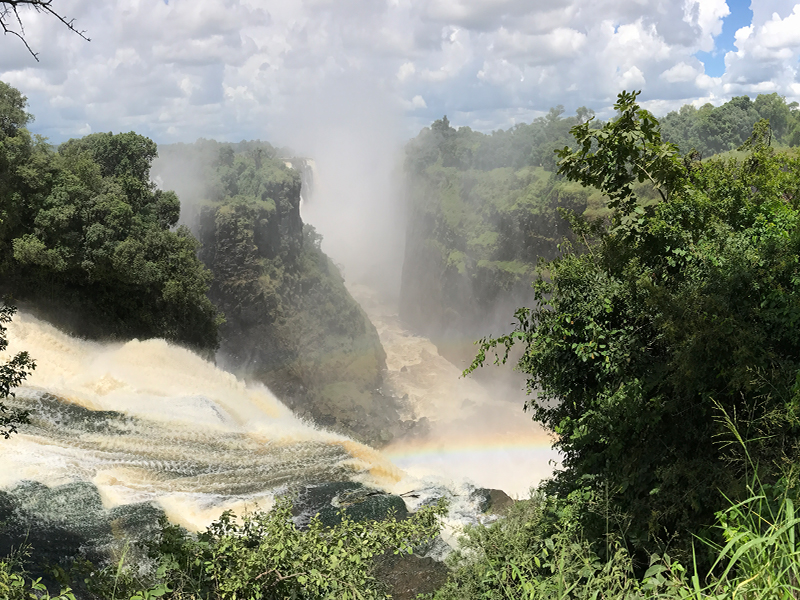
x=492, y=501
x=407, y=576
x=289, y=320
x=68, y=523
x=473, y=241
x=327, y=501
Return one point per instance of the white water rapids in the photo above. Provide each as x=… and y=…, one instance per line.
x=150, y=421
x=477, y=434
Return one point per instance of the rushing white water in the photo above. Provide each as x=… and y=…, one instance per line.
x=477, y=434
x=150, y=421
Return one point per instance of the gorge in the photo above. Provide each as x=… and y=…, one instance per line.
x=124, y=429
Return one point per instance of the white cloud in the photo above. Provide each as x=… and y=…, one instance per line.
x=237, y=69
x=707, y=16
x=782, y=33
x=766, y=55
x=499, y=72
x=680, y=73
x=405, y=71
x=631, y=79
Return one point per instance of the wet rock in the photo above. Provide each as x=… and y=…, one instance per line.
x=359, y=502
x=491, y=501
x=407, y=575
x=68, y=522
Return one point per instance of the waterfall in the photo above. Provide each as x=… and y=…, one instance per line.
x=308, y=176
x=151, y=421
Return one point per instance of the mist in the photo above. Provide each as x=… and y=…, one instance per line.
x=354, y=132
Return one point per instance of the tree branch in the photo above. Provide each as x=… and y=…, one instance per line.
x=9, y=13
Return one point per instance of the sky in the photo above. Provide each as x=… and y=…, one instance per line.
x=282, y=70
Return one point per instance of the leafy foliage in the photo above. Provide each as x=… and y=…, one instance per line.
x=12, y=373
x=83, y=229
x=624, y=151
x=541, y=551
x=668, y=312
x=538, y=551
x=712, y=130
x=16, y=585
x=263, y=556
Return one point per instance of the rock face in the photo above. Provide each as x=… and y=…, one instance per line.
x=474, y=235
x=360, y=503
x=492, y=502
x=68, y=522
x=289, y=320
x=406, y=576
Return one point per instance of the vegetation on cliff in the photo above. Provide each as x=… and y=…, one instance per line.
x=87, y=239
x=483, y=208
x=290, y=321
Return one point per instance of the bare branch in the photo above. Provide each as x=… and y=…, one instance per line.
x=9, y=13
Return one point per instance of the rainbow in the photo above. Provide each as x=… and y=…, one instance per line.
x=511, y=462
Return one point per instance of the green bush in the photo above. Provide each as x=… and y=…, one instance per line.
x=263, y=556
x=542, y=551
x=16, y=585
x=539, y=552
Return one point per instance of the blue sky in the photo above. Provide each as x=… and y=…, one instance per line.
x=297, y=71
x=740, y=16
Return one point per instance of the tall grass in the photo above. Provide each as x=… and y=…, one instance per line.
x=760, y=557
x=523, y=558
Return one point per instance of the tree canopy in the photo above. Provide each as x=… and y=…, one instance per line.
x=667, y=319
x=711, y=130
x=83, y=229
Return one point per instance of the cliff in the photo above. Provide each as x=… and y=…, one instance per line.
x=290, y=322
x=473, y=240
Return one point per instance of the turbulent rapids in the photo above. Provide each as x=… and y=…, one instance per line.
x=150, y=421
x=476, y=434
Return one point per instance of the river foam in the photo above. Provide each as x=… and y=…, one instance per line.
x=151, y=421
x=477, y=434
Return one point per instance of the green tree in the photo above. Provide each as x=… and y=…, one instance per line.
x=83, y=229
x=12, y=373
x=264, y=556
x=669, y=312
x=774, y=109
x=12, y=111
x=710, y=130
